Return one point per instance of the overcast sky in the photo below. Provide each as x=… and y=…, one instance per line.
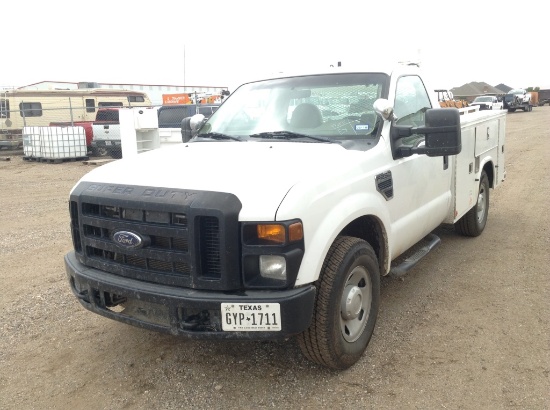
x=223, y=43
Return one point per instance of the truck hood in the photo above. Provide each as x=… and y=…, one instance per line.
x=260, y=174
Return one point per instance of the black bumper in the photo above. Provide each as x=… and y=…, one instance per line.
x=109, y=144
x=180, y=311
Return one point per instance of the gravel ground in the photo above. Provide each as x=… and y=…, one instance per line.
x=468, y=328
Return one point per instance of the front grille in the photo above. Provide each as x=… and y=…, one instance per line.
x=179, y=244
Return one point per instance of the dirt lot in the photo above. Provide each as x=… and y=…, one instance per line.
x=468, y=328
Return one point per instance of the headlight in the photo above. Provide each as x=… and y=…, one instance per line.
x=272, y=253
x=273, y=267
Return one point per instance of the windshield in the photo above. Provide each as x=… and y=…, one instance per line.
x=335, y=107
x=483, y=99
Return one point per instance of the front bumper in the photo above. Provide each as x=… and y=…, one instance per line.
x=10, y=144
x=483, y=106
x=181, y=311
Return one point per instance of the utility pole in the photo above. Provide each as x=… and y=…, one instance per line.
x=184, y=67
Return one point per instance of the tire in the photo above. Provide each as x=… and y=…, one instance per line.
x=511, y=110
x=100, y=152
x=474, y=221
x=346, y=305
x=116, y=153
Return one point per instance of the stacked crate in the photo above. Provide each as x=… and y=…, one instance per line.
x=31, y=142
x=54, y=143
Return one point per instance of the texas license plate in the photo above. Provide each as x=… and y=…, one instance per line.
x=251, y=317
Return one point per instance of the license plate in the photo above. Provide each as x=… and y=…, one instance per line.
x=107, y=142
x=251, y=317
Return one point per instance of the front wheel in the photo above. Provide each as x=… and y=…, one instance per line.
x=346, y=305
x=474, y=221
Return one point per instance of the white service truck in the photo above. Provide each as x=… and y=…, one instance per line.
x=487, y=102
x=279, y=216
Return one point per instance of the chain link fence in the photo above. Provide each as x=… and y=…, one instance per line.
x=22, y=108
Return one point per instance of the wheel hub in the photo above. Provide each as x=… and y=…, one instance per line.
x=355, y=302
x=481, y=205
x=352, y=302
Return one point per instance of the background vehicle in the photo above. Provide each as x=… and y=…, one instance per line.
x=518, y=98
x=487, y=102
x=106, y=133
x=544, y=97
x=40, y=108
x=274, y=221
x=446, y=99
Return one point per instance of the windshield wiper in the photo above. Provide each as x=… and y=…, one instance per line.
x=218, y=136
x=288, y=135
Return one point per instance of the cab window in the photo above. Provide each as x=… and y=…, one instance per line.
x=411, y=103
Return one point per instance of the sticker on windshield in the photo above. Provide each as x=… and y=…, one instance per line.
x=362, y=127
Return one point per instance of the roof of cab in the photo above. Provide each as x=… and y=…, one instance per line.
x=399, y=68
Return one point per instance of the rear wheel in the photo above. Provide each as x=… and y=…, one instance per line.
x=346, y=305
x=100, y=152
x=474, y=221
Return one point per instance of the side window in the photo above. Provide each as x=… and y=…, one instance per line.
x=4, y=109
x=33, y=109
x=136, y=98
x=411, y=103
x=90, y=105
x=109, y=104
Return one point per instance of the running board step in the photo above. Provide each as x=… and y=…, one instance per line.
x=400, y=270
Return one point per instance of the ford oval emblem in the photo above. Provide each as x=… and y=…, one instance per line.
x=127, y=239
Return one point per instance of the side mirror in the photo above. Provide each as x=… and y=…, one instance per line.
x=384, y=109
x=442, y=133
x=190, y=126
x=186, y=133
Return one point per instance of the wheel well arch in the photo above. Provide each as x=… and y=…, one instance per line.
x=370, y=229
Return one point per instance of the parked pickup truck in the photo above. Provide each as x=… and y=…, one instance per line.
x=273, y=221
x=106, y=131
x=487, y=102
